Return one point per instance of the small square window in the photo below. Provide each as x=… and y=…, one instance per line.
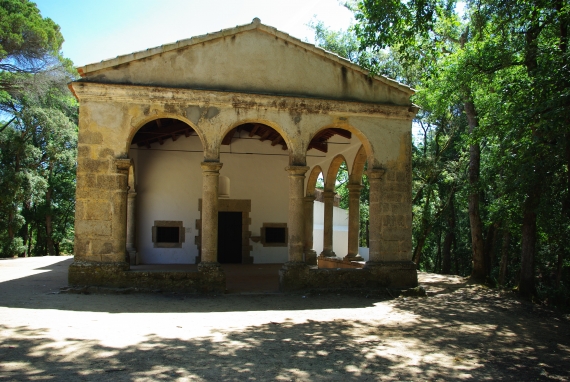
x=168, y=234
x=274, y=234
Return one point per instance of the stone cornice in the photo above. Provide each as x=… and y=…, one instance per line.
x=89, y=91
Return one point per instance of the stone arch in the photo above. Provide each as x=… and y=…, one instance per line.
x=266, y=122
x=359, y=134
x=358, y=166
x=224, y=187
x=312, y=180
x=162, y=115
x=330, y=179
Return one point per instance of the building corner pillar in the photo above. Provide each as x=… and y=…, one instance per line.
x=386, y=272
x=131, y=226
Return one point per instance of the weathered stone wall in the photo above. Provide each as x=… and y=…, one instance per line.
x=110, y=115
x=251, y=58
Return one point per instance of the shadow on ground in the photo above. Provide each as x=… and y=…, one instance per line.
x=310, y=351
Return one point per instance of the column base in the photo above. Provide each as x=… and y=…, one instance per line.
x=293, y=276
x=89, y=273
x=132, y=256
x=396, y=274
x=311, y=257
x=351, y=257
x=212, y=278
x=327, y=253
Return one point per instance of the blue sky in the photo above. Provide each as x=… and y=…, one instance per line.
x=102, y=29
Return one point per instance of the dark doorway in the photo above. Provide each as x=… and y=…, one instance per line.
x=229, y=237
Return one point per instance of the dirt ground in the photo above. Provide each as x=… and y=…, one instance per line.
x=458, y=332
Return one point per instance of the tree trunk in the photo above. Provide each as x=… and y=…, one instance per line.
x=479, y=272
x=504, y=257
x=25, y=238
x=559, y=267
x=420, y=246
x=456, y=255
x=528, y=244
x=446, y=253
x=449, y=237
x=437, y=265
x=425, y=230
x=49, y=225
x=490, y=242
x=31, y=235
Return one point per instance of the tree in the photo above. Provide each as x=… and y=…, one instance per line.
x=38, y=140
x=493, y=82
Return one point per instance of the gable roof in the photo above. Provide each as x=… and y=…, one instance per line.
x=91, y=71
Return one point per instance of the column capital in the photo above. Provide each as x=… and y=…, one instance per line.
x=297, y=170
x=328, y=194
x=354, y=188
x=309, y=198
x=376, y=173
x=123, y=165
x=211, y=166
x=131, y=194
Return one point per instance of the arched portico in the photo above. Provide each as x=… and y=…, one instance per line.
x=198, y=130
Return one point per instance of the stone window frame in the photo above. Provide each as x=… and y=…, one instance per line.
x=169, y=223
x=274, y=225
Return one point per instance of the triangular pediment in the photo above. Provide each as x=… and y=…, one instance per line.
x=252, y=58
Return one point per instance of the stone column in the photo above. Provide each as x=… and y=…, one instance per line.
x=375, y=224
x=212, y=277
x=353, y=222
x=131, y=200
x=119, y=216
x=210, y=178
x=328, y=197
x=296, y=223
x=295, y=273
x=310, y=254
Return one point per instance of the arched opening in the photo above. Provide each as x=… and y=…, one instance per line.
x=252, y=221
x=340, y=211
x=166, y=153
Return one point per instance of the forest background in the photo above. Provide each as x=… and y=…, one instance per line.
x=491, y=179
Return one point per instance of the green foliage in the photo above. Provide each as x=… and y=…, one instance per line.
x=510, y=60
x=25, y=36
x=38, y=137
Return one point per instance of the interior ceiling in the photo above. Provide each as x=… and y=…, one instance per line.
x=163, y=129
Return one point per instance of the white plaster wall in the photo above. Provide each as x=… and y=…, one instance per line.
x=169, y=184
x=364, y=252
x=168, y=187
x=340, y=229
x=257, y=172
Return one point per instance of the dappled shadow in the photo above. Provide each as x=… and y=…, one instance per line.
x=479, y=325
x=462, y=332
x=311, y=351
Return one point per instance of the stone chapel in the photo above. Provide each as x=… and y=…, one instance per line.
x=207, y=151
